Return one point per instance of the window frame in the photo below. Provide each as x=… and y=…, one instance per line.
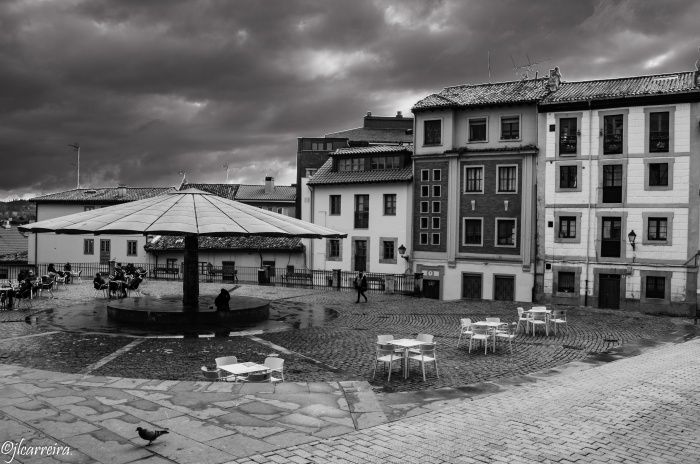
x=425, y=191
x=437, y=210
x=382, y=248
x=644, y=275
x=557, y=224
x=423, y=238
x=557, y=131
x=331, y=199
x=486, y=129
x=520, y=128
x=89, y=246
x=671, y=110
x=467, y=167
x=132, y=244
x=668, y=216
x=437, y=190
x=387, y=209
x=515, y=232
x=424, y=222
x=601, y=132
x=498, y=179
x=601, y=180
x=464, y=231
x=424, y=207
x=564, y=164
x=437, y=178
x=433, y=222
x=425, y=132
x=425, y=175
x=433, y=237
x=647, y=173
x=329, y=248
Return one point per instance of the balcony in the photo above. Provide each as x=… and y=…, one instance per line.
x=612, y=144
x=568, y=144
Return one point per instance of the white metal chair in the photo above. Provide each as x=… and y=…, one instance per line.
x=505, y=334
x=224, y=360
x=426, y=355
x=384, y=338
x=539, y=319
x=213, y=375
x=424, y=338
x=558, y=317
x=465, y=328
x=79, y=276
x=387, y=354
x=482, y=334
x=523, y=316
x=275, y=364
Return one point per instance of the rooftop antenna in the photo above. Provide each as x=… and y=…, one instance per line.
x=526, y=71
x=184, y=178
x=225, y=166
x=489, y=63
x=76, y=147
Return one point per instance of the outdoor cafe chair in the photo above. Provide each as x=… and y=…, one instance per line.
x=539, y=319
x=426, y=355
x=46, y=284
x=387, y=354
x=384, y=338
x=275, y=364
x=423, y=338
x=482, y=334
x=523, y=316
x=505, y=334
x=224, y=360
x=558, y=317
x=465, y=328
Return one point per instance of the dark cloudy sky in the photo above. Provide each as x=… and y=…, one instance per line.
x=150, y=88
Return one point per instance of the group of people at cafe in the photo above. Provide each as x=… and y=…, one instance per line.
x=26, y=284
x=123, y=279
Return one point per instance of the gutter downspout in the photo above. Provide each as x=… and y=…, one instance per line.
x=311, y=220
x=590, y=190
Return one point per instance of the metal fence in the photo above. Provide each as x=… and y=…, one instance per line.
x=286, y=277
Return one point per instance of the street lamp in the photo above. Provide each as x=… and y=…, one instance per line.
x=632, y=237
x=402, y=252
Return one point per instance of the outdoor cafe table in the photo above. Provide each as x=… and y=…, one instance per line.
x=492, y=325
x=244, y=368
x=406, y=344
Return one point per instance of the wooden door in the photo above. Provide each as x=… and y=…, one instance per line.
x=609, y=291
x=471, y=286
x=105, y=251
x=431, y=289
x=504, y=288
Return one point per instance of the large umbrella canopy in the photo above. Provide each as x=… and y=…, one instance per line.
x=186, y=212
x=191, y=213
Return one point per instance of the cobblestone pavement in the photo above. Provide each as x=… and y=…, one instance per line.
x=644, y=409
x=341, y=349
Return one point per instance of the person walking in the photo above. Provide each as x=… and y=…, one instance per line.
x=361, y=286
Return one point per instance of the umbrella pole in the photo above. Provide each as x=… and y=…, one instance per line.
x=190, y=277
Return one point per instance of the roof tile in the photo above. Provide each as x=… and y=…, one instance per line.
x=523, y=91
x=104, y=195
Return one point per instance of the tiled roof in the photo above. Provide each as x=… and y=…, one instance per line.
x=375, y=135
x=373, y=149
x=658, y=84
x=222, y=190
x=524, y=91
x=19, y=257
x=103, y=195
x=257, y=193
x=174, y=242
x=325, y=175
x=12, y=241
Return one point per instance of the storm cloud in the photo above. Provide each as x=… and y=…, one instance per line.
x=149, y=88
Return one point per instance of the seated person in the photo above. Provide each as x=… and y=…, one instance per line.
x=67, y=272
x=222, y=300
x=52, y=272
x=98, y=282
x=22, y=275
x=134, y=283
x=130, y=269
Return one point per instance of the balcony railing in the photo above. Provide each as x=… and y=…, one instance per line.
x=568, y=144
x=658, y=141
x=612, y=144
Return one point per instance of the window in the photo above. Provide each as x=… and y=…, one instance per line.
x=378, y=163
x=425, y=190
x=568, y=176
x=345, y=164
x=612, y=183
x=472, y=231
x=436, y=207
x=435, y=239
x=423, y=222
x=655, y=287
x=568, y=138
x=436, y=190
x=390, y=204
x=567, y=227
x=507, y=179
x=566, y=282
x=510, y=128
x=505, y=232
x=659, y=132
x=334, y=207
x=131, y=247
x=477, y=130
x=657, y=228
x=658, y=174
x=431, y=132
x=425, y=175
x=424, y=207
x=612, y=233
x=171, y=263
x=437, y=174
x=473, y=177
x=319, y=146
x=613, y=134
x=310, y=172
x=388, y=251
x=361, y=211
x=333, y=248
x=89, y=208
x=436, y=223
x=89, y=246
x=358, y=164
x=423, y=238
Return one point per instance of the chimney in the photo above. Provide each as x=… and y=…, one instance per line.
x=554, y=80
x=697, y=71
x=269, y=184
x=121, y=190
x=399, y=115
x=369, y=114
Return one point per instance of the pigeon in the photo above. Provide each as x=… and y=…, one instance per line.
x=150, y=435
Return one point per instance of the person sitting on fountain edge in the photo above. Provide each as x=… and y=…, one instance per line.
x=222, y=300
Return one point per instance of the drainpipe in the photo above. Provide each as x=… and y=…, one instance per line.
x=590, y=189
x=311, y=220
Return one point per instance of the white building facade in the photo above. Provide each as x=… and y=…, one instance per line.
x=619, y=183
